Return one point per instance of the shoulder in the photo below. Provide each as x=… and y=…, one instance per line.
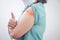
x=29, y=11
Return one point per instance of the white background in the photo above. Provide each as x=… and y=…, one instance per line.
x=52, y=9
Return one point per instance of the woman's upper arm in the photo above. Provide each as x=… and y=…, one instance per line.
x=24, y=24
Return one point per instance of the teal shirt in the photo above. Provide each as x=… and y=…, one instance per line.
x=36, y=32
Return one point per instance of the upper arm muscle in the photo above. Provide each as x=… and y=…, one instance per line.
x=25, y=23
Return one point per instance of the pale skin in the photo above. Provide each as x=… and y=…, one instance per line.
x=24, y=24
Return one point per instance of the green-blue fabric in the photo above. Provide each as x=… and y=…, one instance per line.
x=36, y=32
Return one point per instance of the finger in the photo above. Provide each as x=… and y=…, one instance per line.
x=11, y=26
x=12, y=22
x=13, y=17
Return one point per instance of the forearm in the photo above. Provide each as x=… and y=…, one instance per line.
x=23, y=26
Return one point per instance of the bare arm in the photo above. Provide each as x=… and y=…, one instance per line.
x=24, y=24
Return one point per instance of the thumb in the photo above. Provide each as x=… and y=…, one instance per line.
x=12, y=15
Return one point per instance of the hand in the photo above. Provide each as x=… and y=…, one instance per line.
x=12, y=23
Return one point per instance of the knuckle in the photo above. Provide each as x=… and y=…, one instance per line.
x=9, y=25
